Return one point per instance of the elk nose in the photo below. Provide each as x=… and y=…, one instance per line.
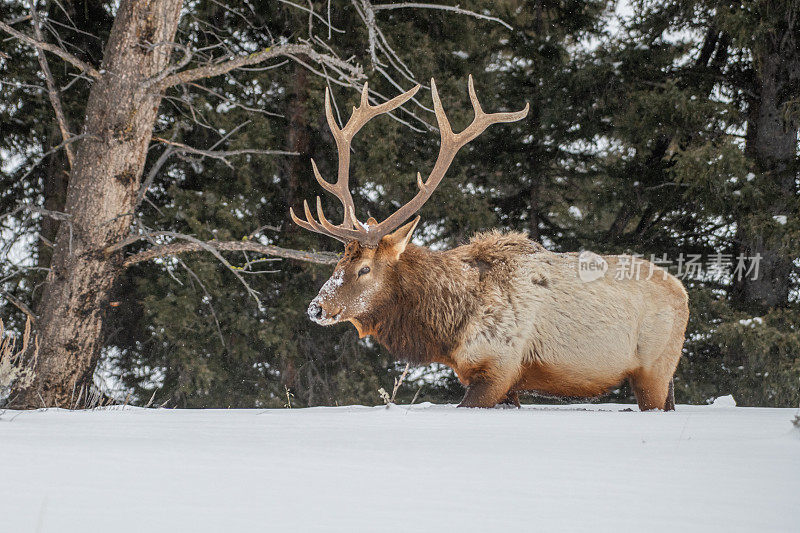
x=314, y=311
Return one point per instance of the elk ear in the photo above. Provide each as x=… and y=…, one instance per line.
x=395, y=243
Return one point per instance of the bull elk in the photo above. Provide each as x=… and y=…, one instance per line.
x=503, y=312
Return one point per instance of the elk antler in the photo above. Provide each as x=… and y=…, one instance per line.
x=361, y=115
x=451, y=143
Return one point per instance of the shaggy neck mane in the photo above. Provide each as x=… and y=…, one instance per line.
x=426, y=303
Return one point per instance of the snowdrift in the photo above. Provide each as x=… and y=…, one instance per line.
x=598, y=467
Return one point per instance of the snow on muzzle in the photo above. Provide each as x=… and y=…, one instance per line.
x=319, y=315
x=316, y=311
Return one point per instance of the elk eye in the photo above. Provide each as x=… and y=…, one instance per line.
x=364, y=270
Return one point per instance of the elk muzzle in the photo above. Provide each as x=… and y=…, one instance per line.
x=318, y=314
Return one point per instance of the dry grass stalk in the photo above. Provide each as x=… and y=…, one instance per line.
x=388, y=400
x=16, y=371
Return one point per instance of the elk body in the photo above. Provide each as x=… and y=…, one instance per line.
x=503, y=312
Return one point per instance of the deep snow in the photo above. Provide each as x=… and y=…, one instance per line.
x=425, y=468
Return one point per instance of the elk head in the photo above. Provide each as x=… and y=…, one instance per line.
x=373, y=248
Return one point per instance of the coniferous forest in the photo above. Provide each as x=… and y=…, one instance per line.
x=664, y=129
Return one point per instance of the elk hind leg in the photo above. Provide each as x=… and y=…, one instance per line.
x=653, y=391
x=512, y=398
x=670, y=403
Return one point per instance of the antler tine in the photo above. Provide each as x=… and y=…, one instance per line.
x=310, y=224
x=441, y=118
x=451, y=143
x=483, y=120
x=322, y=181
x=364, y=112
x=339, y=231
x=420, y=183
x=473, y=98
x=319, y=228
x=342, y=187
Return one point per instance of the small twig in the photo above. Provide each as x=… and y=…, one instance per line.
x=152, y=175
x=19, y=305
x=152, y=398
x=216, y=253
x=66, y=56
x=454, y=9
x=56, y=148
x=262, y=228
x=57, y=215
x=239, y=104
x=289, y=397
x=52, y=91
x=315, y=15
x=416, y=395
x=208, y=299
x=398, y=382
x=222, y=155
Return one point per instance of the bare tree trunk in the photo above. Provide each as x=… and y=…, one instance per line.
x=295, y=168
x=534, y=208
x=772, y=142
x=297, y=140
x=101, y=195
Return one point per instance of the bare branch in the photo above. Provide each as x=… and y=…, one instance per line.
x=52, y=92
x=66, y=56
x=222, y=155
x=258, y=57
x=239, y=104
x=185, y=60
x=23, y=206
x=316, y=15
x=19, y=305
x=201, y=245
x=368, y=16
x=454, y=9
x=321, y=258
x=152, y=175
x=72, y=139
x=208, y=299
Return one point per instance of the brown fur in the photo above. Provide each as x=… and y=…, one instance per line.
x=509, y=316
x=424, y=306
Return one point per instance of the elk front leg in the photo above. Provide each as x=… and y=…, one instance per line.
x=485, y=390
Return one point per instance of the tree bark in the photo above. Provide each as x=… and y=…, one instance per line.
x=535, y=204
x=297, y=141
x=771, y=142
x=295, y=169
x=101, y=196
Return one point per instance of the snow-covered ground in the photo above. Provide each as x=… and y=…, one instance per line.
x=425, y=468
